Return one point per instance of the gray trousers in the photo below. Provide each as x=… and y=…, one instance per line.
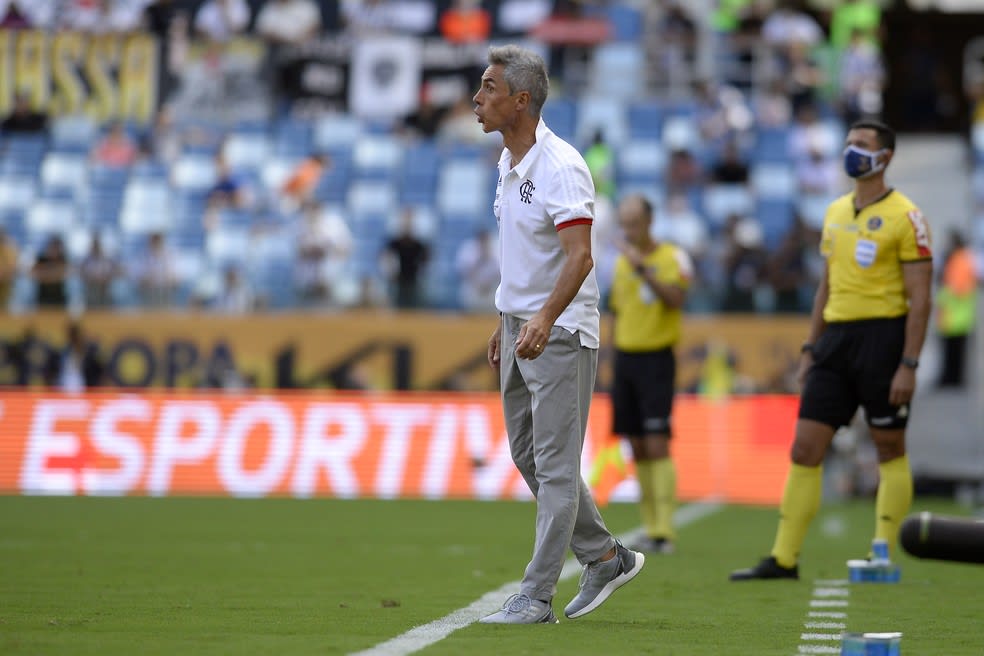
x=545, y=402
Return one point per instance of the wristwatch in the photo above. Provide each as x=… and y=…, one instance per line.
x=912, y=363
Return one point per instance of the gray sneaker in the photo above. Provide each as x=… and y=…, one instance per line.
x=520, y=609
x=600, y=579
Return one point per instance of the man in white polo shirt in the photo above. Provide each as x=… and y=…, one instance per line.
x=546, y=344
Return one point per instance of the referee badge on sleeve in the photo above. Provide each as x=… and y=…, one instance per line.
x=865, y=252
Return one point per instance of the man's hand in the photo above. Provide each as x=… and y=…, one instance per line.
x=806, y=361
x=533, y=337
x=903, y=385
x=494, y=341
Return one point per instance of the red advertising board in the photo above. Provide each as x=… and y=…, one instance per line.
x=351, y=445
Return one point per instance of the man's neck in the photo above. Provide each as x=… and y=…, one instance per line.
x=867, y=192
x=520, y=138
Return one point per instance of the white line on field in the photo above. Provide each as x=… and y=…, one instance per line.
x=823, y=590
x=423, y=636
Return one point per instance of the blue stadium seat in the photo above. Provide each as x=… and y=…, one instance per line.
x=645, y=119
x=560, y=115
x=772, y=180
x=605, y=114
x=16, y=192
x=626, y=21
x=771, y=145
x=776, y=217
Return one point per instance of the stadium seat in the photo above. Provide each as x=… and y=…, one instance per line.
x=645, y=119
x=337, y=130
x=640, y=158
x=371, y=197
x=771, y=145
x=776, y=217
x=377, y=156
x=462, y=188
x=47, y=217
x=75, y=133
x=65, y=170
x=560, y=115
x=680, y=132
x=722, y=200
x=626, y=21
x=194, y=172
x=16, y=192
x=618, y=70
x=773, y=181
x=605, y=114
x=246, y=151
x=228, y=245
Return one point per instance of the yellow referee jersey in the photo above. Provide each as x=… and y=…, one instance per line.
x=865, y=252
x=642, y=321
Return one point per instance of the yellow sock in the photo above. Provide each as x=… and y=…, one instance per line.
x=800, y=502
x=664, y=490
x=647, y=496
x=894, y=498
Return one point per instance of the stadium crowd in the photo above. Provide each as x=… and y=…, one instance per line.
x=730, y=121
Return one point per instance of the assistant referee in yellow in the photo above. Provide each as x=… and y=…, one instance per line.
x=648, y=290
x=866, y=331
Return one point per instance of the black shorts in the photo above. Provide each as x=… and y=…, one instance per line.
x=642, y=392
x=853, y=365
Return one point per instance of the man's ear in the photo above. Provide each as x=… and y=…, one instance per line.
x=886, y=156
x=522, y=101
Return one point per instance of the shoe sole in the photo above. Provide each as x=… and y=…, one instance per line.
x=611, y=587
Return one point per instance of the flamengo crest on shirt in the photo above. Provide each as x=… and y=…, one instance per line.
x=526, y=191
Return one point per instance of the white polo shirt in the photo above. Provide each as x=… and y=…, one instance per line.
x=549, y=190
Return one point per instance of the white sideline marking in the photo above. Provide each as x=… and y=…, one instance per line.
x=822, y=591
x=426, y=635
x=824, y=625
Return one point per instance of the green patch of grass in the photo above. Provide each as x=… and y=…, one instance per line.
x=276, y=576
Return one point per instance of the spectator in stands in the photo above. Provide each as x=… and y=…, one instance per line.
x=236, y=295
x=116, y=149
x=770, y=105
x=324, y=247
x=366, y=17
x=459, y=125
x=600, y=159
x=683, y=171
x=427, y=120
x=477, y=265
x=819, y=180
x=101, y=16
x=27, y=14
x=787, y=269
x=671, y=41
x=744, y=265
x=288, y=21
x=228, y=191
x=861, y=80
x=808, y=132
x=50, y=271
x=465, y=21
x=77, y=366
x=679, y=223
x=156, y=274
x=802, y=74
x=849, y=16
x=220, y=20
x=8, y=268
x=300, y=185
x=98, y=271
x=731, y=167
x=403, y=260
x=371, y=294
x=789, y=24
x=743, y=44
x=956, y=309
x=23, y=119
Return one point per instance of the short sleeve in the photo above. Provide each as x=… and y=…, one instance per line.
x=570, y=199
x=915, y=242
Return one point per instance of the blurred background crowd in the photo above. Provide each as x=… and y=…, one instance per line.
x=257, y=155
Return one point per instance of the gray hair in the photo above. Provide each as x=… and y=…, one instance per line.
x=523, y=70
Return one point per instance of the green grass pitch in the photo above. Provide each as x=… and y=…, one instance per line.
x=170, y=576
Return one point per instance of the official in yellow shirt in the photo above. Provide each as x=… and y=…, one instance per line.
x=866, y=332
x=648, y=290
